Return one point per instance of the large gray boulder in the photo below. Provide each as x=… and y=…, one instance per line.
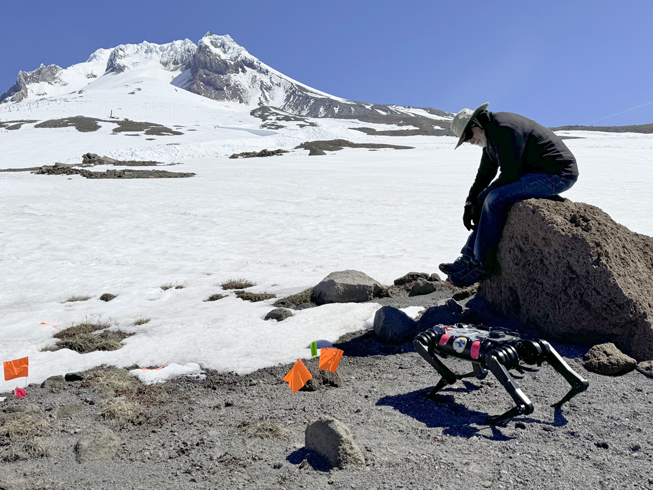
x=332, y=439
x=573, y=273
x=345, y=287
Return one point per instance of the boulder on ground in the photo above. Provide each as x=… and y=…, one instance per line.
x=570, y=271
x=332, y=439
x=608, y=360
x=449, y=313
x=97, y=446
x=278, y=314
x=107, y=297
x=345, y=287
x=393, y=326
x=411, y=277
x=646, y=368
x=422, y=286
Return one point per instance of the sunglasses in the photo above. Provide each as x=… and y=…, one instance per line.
x=469, y=133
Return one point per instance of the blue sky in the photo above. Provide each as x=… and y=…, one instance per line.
x=558, y=62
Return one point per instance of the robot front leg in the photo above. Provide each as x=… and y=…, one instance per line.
x=494, y=361
x=578, y=384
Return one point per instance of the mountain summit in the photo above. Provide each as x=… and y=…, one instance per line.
x=220, y=69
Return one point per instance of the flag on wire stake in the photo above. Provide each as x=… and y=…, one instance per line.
x=297, y=376
x=313, y=349
x=17, y=368
x=330, y=358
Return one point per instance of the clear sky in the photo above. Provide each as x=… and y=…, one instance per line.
x=558, y=62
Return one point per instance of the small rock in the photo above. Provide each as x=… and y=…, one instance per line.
x=98, y=446
x=55, y=384
x=278, y=314
x=71, y=377
x=646, y=368
x=608, y=360
x=602, y=445
x=411, y=277
x=449, y=313
x=393, y=326
x=107, y=297
x=333, y=440
x=422, y=286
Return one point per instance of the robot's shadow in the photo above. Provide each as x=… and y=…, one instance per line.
x=454, y=418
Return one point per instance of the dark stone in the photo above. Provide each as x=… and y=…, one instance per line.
x=71, y=377
x=646, y=368
x=411, y=277
x=606, y=359
x=278, y=314
x=393, y=326
x=568, y=270
x=449, y=313
x=422, y=286
x=107, y=297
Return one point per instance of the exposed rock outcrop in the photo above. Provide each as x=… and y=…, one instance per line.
x=570, y=271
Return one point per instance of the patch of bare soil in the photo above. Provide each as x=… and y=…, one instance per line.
x=228, y=431
x=319, y=147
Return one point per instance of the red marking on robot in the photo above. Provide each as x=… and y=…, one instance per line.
x=476, y=349
x=444, y=339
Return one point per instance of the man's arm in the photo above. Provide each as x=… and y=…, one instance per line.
x=510, y=145
x=487, y=170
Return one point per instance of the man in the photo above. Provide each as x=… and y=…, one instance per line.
x=534, y=163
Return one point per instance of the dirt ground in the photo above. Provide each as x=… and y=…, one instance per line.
x=230, y=431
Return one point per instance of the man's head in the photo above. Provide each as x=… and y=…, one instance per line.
x=466, y=127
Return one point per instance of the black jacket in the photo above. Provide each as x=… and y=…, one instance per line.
x=518, y=145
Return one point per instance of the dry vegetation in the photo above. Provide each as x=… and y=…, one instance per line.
x=237, y=284
x=254, y=297
x=170, y=285
x=215, y=297
x=72, y=299
x=81, y=338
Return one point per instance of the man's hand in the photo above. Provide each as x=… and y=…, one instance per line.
x=469, y=216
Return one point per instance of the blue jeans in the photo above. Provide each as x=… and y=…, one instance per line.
x=483, y=242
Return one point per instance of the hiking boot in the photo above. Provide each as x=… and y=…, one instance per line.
x=473, y=273
x=459, y=264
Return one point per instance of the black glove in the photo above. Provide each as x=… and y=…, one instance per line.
x=469, y=216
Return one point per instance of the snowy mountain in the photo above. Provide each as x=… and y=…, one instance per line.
x=219, y=69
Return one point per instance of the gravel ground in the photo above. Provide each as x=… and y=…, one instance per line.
x=230, y=431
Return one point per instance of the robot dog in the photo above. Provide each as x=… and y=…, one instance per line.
x=497, y=351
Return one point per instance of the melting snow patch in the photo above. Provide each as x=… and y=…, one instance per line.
x=152, y=376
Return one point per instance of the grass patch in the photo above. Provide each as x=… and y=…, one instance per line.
x=170, y=285
x=265, y=429
x=81, y=338
x=215, y=297
x=254, y=297
x=24, y=436
x=72, y=299
x=111, y=379
x=141, y=321
x=121, y=410
x=237, y=284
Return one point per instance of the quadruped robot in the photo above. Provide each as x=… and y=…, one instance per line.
x=497, y=351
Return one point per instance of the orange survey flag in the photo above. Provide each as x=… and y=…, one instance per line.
x=297, y=376
x=330, y=358
x=16, y=369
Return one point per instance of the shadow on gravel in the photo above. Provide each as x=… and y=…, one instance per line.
x=456, y=419
x=365, y=344
x=303, y=457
